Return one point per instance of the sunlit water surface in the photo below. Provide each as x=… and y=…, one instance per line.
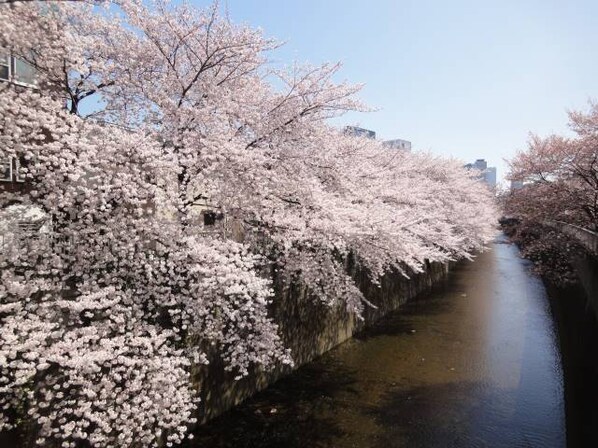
x=474, y=364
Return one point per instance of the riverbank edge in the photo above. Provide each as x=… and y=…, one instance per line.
x=584, y=263
x=574, y=310
x=310, y=329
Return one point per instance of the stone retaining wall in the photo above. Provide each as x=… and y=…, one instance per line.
x=587, y=238
x=586, y=265
x=310, y=329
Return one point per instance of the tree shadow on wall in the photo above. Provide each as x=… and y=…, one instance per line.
x=295, y=412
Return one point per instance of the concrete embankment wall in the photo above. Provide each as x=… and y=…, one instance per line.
x=310, y=329
x=586, y=265
x=587, y=269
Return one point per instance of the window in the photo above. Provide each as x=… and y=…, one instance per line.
x=209, y=218
x=4, y=66
x=23, y=72
x=6, y=170
x=10, y=170
x=16, y=70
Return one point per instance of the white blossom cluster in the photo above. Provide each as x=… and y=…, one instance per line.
x=103, y=321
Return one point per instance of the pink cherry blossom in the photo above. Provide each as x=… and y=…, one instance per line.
x=105, y=313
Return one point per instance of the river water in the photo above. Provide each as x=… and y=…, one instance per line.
x=476, y=363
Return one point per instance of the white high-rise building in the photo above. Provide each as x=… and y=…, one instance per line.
x=398, y=143
x=490, y=176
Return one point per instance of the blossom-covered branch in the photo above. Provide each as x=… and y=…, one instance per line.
x=144, y=116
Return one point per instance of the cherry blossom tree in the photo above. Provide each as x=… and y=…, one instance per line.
x=142, y=114
x=560, y=183
x=560, y=175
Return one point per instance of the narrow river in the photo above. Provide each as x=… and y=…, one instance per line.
x=474, y=364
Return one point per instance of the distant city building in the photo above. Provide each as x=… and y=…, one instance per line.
x=479, y=164
x=359, y=132
x=398, y=143
x=516, y=185
x=488, y=174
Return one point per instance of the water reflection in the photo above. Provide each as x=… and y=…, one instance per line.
x=475, y=364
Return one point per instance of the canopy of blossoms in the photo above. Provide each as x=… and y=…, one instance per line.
x=143, y=113
x=558, y=181
x=559, y=175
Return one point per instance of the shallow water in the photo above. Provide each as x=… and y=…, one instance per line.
x=474, y=364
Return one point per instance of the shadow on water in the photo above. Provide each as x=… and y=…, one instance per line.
x=459, y=414
x=445, y=415
x=288, y=414
x=578, y=337
x=476, y=363
x=301, y=410
x=402, y=322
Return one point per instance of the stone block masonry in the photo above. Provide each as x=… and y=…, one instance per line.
x=309, y=329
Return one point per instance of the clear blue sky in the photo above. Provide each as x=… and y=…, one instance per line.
x=464, y=78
